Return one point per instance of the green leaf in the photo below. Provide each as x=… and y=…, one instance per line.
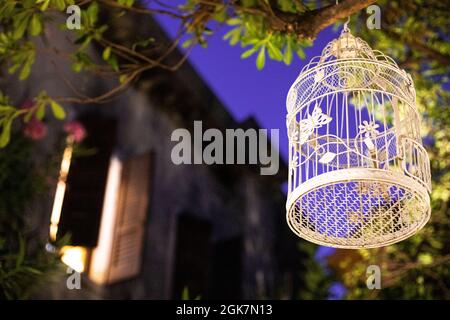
x=6, y=133
x=28, y=116
x=127, y=3
x=234, y=21
x=261, y=59
x=40, y=113
x=220, y=14
x=20, y=24
x=26, y=69
x=249, y=52
x=35, y=26
x=77, y=67
x=6, y=108
x=112, y=61
x=92, y=13
x=274, y=52
x=186, y=43
x=234, y=35
x=14, y=68
x=60, y=4
x=287, y=6
x=301, y=53
x=425, y=258
x=123, y=78
x=287, y=59
x=44, y=5
x=185, y=294
x=58, y=111
x=143, y=43
x=106, y=53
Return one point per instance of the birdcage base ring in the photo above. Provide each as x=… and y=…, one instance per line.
x=358, y=208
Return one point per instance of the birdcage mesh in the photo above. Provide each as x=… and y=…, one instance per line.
x=358, y=173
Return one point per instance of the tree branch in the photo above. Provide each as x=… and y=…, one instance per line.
x=420, y=46
x=310, y=23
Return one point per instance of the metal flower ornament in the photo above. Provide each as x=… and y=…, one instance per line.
x=359, y=176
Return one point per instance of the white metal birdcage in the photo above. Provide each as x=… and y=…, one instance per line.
x=359, y=176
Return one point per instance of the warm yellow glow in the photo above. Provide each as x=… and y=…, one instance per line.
x=74, y=257
x=57, y=206
x=65, y=164
x=60, y=190
x=53, y=232
x=101, y=255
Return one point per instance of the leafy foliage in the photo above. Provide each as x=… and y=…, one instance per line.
x=8, y=113
x=24, y=263
x=251, y=33
x=317, y=279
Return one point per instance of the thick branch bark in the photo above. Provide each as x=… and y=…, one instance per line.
x=310, y=23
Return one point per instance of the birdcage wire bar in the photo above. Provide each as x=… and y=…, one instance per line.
x=359, y=176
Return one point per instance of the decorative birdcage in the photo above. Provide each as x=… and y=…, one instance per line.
x=359, y=176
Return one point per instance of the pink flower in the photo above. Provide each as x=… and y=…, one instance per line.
x=35, y=129
x=76, y=130
x=27, y=104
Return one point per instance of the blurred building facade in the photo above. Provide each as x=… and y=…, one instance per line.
x=149, y=228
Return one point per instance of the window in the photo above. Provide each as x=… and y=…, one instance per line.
x=193, y=256
x=119, y=251
x=102, y=203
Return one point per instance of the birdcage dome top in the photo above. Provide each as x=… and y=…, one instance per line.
x=347, y=46
x=349, y=63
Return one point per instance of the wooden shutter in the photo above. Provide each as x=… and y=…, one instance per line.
x=132, y=209
x=124, y=258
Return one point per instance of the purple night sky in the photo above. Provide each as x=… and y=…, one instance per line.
x=243, y=89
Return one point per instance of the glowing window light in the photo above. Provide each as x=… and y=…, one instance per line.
x=60, y=189
x=74, y=257
x=101, y=256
